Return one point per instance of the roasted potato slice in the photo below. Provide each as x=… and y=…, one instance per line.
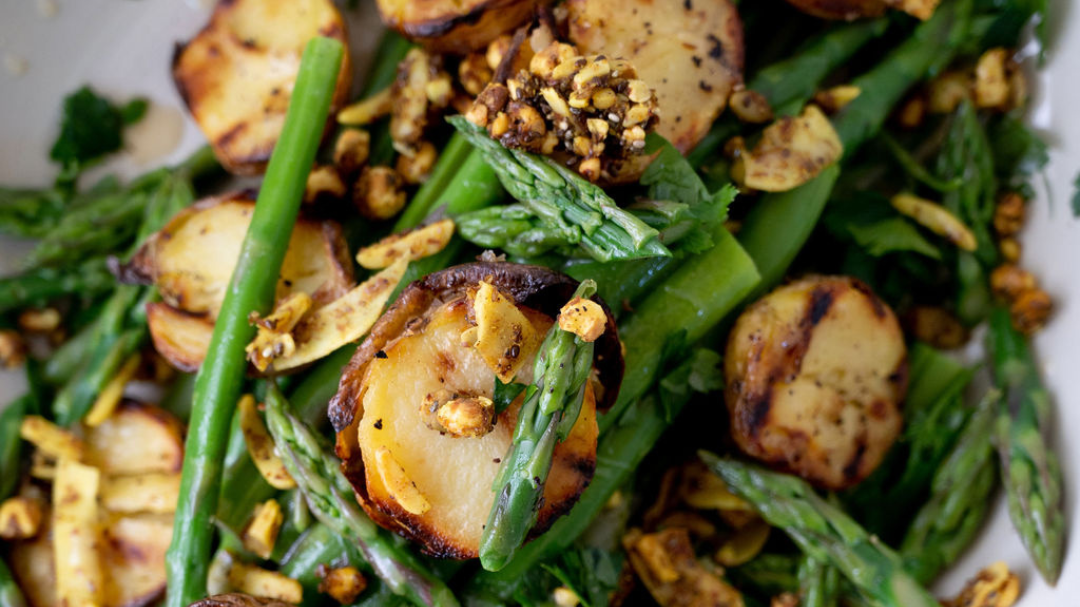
x=179, y=337
x=137, y=439
x=134, y=558
x=34, y=568
x=417, y=350
x=845, y=10
x=455, y=26
x=815, y=373
x=236, y=76
x=691, y=53
x=191, y=259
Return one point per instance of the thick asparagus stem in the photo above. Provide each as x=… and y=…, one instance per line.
x=959, y=499
x=824, y=532
x=1029, y=467
x=331, y=501
x=819, y=583
x=87, y=279
x=11, y=444
x=251, y=290
x=562, y=366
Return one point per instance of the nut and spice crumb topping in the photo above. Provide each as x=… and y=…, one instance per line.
x=994, y=586
x=343, y=584
x=12, y=349
x=584, y=318
x=379, y=193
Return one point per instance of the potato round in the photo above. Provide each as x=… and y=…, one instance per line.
x=690, y=53
x=815, y=373
x=456, y=26
x=846, y=10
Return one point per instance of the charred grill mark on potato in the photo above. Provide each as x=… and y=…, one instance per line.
x=455, y=26
x=815, y=374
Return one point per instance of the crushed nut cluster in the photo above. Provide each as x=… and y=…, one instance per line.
x=458, y=416
x=1029, y=305
x=592, y=108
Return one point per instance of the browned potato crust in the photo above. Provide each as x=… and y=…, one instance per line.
x=235, y=599
x=180, y=338
x=847, y=10
x=690, y=53
x=455, y=26
x=816, y=372
x=419, y=338
x=137, y=438
x=237, y=74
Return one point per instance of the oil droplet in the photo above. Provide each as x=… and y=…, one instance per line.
x=156, y=135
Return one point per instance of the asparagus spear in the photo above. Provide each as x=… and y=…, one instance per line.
x=1029, y=468
x=331, y=500
x=960, y=496
x=819, y=583
x=251, y=290
x=36, y=287
x=319, y=545
x=29, y=213
x=11, y=444
x=561, y=199
x=824, y=532
x=551, y=408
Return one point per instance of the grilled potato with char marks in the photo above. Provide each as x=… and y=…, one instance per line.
x=690, y=53
x=236, y=76
x=423, y=483
x=845, y=10
x=816, y=372
x=455, y=26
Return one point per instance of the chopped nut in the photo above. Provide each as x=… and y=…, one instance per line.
x=697, y=525
x=474, y=73
x=734, y=147
x=1008, y=281
x=343, y=584
x=744, y=545
x=994, y=586
x=1009, y=214
x=835, y=99
x=936, y=326
x=912, y=113
x=421, y=87
x=323, y=182
x=351, y=151
x=702, y=489
x=39, y=321
x=109, y=398
x=20, y=518
x=50, y=439
x=439, y=90
x=991, y=81
x=273, y=338
x=750, y=106
x=792, y=151
x=584, y=318
x=1030, y=311
x=565, y=597
x=412, y=245
x=257, y=581
x=920, y=9
x=466, y=417
x=261, y=532
x=785, y=599
x=12, y=349
x=666, y=564
x=416, y=169
x=378, y=193
x=937, y=219
x=497, y=49
x=1010, y=249
x=505, y=338
x=947, y=91
x=367, y=110
x=398, y=484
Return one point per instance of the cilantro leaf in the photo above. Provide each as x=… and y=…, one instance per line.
x=505, y=394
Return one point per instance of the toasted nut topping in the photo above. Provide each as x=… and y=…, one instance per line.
x=256, y=581
x=261, y=533
x=412, y=245
x=474, y=73
x=497, y=49
x=20, y=518
x=995, y=586
x=792, y=151
x=565, y=597
x=1010, y=249
x=421, y=88
x=416, y=169
x=912, y=113
x=351, y=151
x=343, y=584
x=367, y=110
x=274, y=338
x=785, y=599
x=1031, y=310
x=378, y=194
x=937, y=219
x=109, y=398
x=260, y=446
x=1009, y=214
x=323, y=182
x=1008, y=281
x=750, y=106
x=505, y=338
x=50, y=439
x=991, y=81
x=702, y=489
x=584, y=318
x=398, y=484
x=936, y=326
x=12, y=349
x=947, y=91
x=39, y=321
x=666, y=563
x=470, y=417
x=833, y=100
x=744, y=545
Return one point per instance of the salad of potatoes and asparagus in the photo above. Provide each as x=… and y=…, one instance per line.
x=585, y=302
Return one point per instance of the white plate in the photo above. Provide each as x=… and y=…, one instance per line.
x=124, y=48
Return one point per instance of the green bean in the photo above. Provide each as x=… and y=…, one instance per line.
x=11, y=444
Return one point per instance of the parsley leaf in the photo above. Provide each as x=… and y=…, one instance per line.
x=90, y=129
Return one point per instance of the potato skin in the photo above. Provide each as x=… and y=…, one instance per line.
x=816, y=372
x=237, y=74
x=691, y=53
x=449, y=26
x=844, y=10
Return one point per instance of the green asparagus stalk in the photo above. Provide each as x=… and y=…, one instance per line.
x=11, y=444
x=561, y=199
x=551, y=408
x=251, y=290
x=819, y=583
x=331, y=501
x=1029, y=467
x=960, y=496
x=824, y=532
x=10, y=593
x=87, y=279
x=29, y=213
x=319, y=545
x=769, y=574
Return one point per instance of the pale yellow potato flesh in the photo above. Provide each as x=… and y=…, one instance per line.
x=136, y=439
x=181, y=338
